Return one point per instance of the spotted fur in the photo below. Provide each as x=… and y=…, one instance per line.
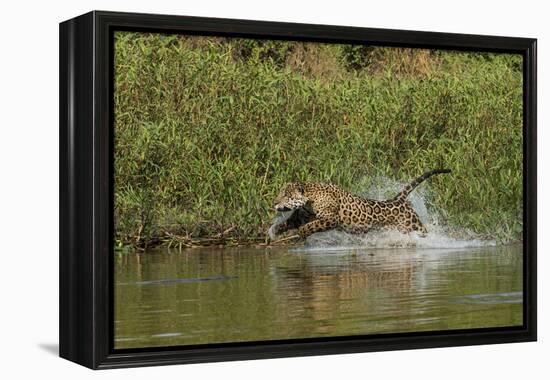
x=319, y=207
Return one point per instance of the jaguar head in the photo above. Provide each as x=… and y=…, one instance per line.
x=291, y=197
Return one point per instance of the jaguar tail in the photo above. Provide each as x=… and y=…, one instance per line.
x=417, y=181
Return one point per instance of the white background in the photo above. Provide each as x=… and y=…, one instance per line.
x=29, y=187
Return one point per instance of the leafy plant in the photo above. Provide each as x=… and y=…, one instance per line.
x=207, y=130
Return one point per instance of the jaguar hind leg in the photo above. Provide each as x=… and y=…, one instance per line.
x=411, y=222
x=419, y=227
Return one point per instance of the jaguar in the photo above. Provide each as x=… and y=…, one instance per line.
x=312, y=207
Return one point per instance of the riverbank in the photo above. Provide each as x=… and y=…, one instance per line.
x=207, y=130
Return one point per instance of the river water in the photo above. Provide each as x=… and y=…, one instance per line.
x=169, y=297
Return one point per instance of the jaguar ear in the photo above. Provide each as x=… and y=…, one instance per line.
x=300, y=187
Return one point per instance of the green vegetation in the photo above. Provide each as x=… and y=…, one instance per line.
x=207, y=130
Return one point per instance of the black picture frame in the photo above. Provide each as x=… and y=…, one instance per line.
x=86, y=190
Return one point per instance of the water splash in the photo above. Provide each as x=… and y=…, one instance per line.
x=439, y=236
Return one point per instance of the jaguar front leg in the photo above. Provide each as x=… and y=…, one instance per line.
x=295, y=220
x=317, y=225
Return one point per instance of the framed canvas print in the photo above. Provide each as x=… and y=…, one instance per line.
x=236, y=189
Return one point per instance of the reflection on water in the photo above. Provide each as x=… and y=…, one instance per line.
x=167, y=297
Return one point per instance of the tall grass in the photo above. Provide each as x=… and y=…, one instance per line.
x=207, y=130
